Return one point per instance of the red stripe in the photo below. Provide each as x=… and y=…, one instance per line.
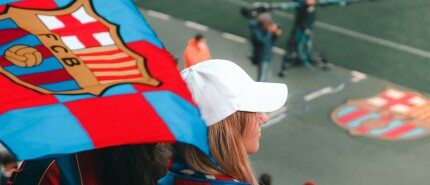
x=362, y=128
x=46, y=77
x=4, y=62
x=87, y=163
x=353, y=115
x=2, y=8
x=109, y=61
x=220, y=177
x=51, y=176
x=162, y=67
x=33, y=4
x=111, y=52
x=44, y=50
x=12, y=34
x=36, y=4
x=102, y=78
x=104, y=120
x=397, y=132
x=386, y=118
x=112, y=69
x=20, y=97
x=189, y=182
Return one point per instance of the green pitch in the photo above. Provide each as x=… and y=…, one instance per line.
x=392, y=41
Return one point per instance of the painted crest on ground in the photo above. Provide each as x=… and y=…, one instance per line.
x=67, y=51
x=393, y=114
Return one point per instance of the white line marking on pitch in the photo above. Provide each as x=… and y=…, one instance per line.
x=196, y=26
x=357, y=76
x=234, y=37
x=318, y=93
x=332, y=28
x=376, y=40
x=351, y=33
x=158, y=15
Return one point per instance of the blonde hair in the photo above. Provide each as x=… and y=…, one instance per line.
x=225, y=142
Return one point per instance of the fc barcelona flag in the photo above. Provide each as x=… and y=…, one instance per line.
x=77, y=75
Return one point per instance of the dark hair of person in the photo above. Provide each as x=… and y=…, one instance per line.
x=7, y=159
x=199, y=36
x=265, y=179
x=140, y=164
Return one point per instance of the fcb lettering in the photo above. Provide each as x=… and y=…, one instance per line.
x=61, y=50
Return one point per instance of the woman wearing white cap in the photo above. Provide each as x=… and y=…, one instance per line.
x=233, y=107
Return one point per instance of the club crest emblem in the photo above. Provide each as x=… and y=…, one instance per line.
x=67, y=51
x=391, y=115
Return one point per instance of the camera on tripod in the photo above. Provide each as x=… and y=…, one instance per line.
x=253, y=10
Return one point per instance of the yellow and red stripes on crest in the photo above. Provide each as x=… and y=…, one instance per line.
x=420, y=112
x=109, y=64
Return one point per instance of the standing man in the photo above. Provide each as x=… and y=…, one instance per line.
x=300, y=35
x=263, y=34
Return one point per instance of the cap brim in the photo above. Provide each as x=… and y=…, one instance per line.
x=265, y=97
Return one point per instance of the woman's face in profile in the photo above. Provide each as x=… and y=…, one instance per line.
x=252, y=134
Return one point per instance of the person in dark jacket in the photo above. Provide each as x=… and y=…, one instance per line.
x=263, y=34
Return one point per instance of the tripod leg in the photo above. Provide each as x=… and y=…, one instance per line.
x=302, y=47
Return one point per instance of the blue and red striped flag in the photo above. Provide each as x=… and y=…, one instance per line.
x=87, y=74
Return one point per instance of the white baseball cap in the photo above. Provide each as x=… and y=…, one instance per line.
x=220, y=88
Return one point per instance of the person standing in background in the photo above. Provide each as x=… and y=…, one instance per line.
x=9, y=163
x=263, y=34
x=300, y=32
x=265, y=179
x=196, y=51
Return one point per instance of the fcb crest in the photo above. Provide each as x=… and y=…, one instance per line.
x=67, y=51
x=392, y=115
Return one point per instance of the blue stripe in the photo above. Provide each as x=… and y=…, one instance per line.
x=112, y=91
x=48, y=64
x=120, y=89
x=61, y=86
x=345, y=110
x=414, y=133
x=132, y=26
x=36, y=132
x=66, y=98
x=7, y=24
x=28, y=40
x=63, y=3
x=392, y=125
x=360, y=120
x=8, y=1
x=182, y=118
